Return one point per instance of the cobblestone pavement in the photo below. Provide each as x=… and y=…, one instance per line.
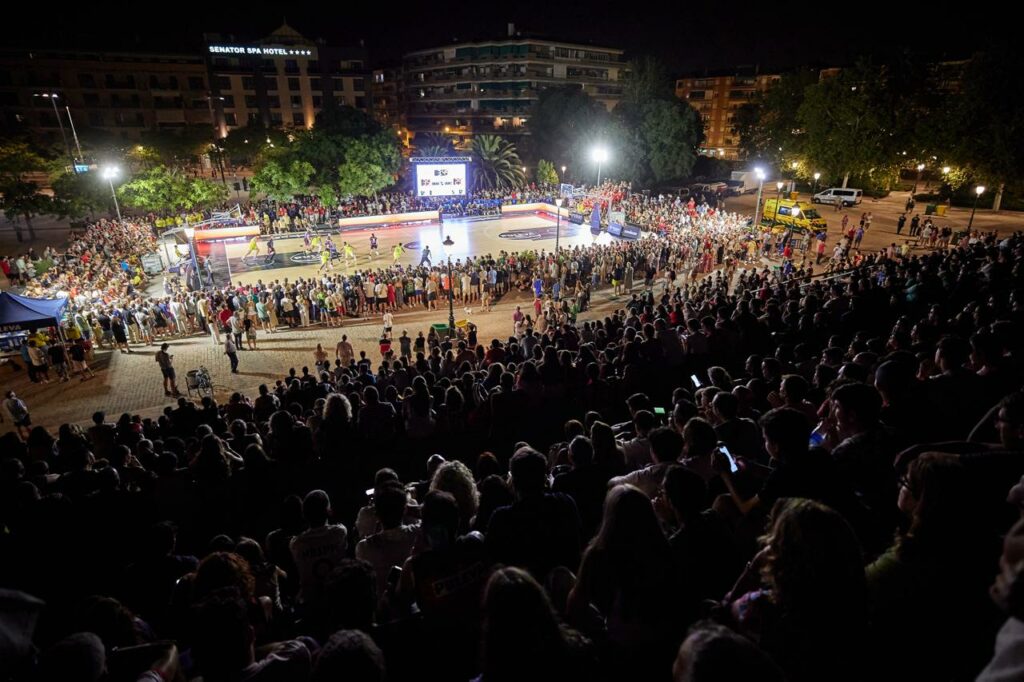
x=132, y=382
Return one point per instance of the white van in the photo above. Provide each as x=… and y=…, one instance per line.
x=835, y=195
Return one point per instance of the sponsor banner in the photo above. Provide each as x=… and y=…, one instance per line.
x=595, y=220
x=630, y=231
x=537, y=233
x=575, y=217
x=440, y=179
x=615, y=229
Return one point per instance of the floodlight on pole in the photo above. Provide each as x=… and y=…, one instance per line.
x=978, y=191
x=53, y=97
x=778, y=199
x=817, y=176
x=109, y=173
x=600, y=155
x=759, y=172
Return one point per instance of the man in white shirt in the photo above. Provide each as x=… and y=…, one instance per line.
x=318, y=550
x=392, y=545
x=666, y=448
x=638, y=449
x=389, y=320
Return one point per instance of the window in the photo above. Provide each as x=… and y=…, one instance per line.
x=274, y=102
x=224, y=82
x=91, y=99
x=314, y=83
x=195, y=83
x=229, y=100
x=291, y=65
x=275, y=117
x=298, y=119
x=229, y=119
x=293, y=84
x=248, y=83
x=312, y=65
x=86, y=80
x=697, y=94
x=357, y=84
x=254, y=118
x=360, y=102
x=250, y=101
x=337, y=84
x=296, y=101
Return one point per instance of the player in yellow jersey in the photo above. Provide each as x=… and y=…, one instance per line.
x=397, y=252
x=254, y=249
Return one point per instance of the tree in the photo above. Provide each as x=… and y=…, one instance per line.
x=249, y=145
x=21, y=195
x=546, y=173
x=178, y=148
x=844, y=131
x=768, y=125
x=496, y=164
x=370, y=164
x=282, y=178
x=985, y=120
x=564, y=124
x=663, y=132
x=76, y=195
x=433, y=144
x=164, y=189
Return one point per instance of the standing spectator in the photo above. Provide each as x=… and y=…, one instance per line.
x=232, y=353
x=18, y=410
x=78, y=360
x=319, y=549
x=164, y=359
x=38, y=360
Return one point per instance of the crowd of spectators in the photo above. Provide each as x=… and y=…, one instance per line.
x=728, y=478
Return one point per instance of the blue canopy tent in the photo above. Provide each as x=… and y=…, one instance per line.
x=19, y=313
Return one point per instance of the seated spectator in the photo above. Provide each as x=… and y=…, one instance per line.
x=319, y=548
x=541, y=530
x=349, y=655
x=1008, y=594
x=714, y=653
x=392, y=545
x=666, y=449
x=585, y=483
x=739, y=434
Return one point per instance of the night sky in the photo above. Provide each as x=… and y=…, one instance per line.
x=688, y=37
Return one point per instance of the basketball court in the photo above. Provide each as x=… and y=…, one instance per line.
x=472, y=238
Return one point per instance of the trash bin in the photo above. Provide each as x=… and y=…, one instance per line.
x=441, y=329
x=930, y=209
x=941, y=209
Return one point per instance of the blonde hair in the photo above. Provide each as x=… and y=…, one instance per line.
x=456, y=479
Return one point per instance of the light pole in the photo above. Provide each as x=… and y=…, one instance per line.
x=448, y=243
x=74, y=134
x=190, y=234
x=920, y=167
x=109, y=173
x=817, y=176
x=52, y=96
x=978, y=191
x=793, y=166
x=563, y=173
x=778, y=198
x=600, y=155
x=558, y=229
x=759, y=172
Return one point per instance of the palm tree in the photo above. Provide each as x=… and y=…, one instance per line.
x=433, y=144
x=496, y=164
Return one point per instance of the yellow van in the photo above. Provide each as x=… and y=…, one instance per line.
x=789, y=213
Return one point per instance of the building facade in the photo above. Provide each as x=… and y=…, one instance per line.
x=283, y=81
x=118, y=94
x=386, y=101
x=488, y=87
x=717, y=98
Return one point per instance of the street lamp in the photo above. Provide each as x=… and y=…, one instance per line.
x=817, y=176
x=109, y=173
x=448, y=244
x=759, y=172
x=600, y=155
x=778, y=198
x=52, y=96
x=920, y=167
x=978, y=191
x=190, y=234
x=945, y=170
x=563, y=173
x=558, y=229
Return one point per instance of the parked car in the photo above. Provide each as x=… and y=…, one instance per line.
x=835, y=195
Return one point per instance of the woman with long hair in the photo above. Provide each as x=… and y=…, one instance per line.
x=808, y=612
x=608, y=454
x=417, y=410
x=626, y=574
x=522, y=638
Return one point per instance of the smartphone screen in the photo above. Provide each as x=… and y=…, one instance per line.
x=695, y=380
x=369, y=492
x=728, y=455
x=659, y=411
